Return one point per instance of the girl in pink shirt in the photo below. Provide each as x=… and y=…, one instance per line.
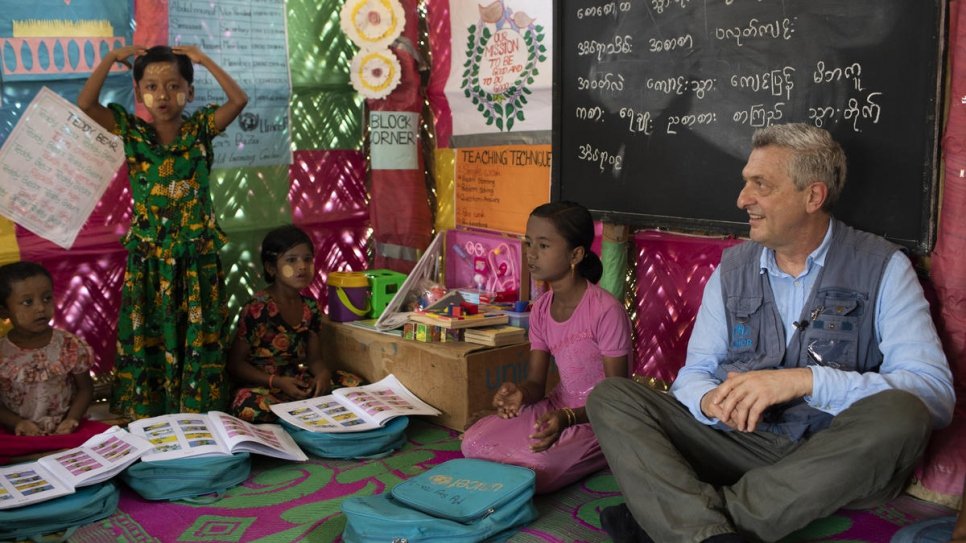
x=587, y=333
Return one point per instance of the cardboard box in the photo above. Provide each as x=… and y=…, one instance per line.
x=457, y=378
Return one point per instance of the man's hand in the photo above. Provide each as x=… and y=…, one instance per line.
x=741, y=399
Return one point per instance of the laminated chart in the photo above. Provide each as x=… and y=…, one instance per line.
x=248, y=39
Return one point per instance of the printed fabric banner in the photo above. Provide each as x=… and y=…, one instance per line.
x=497, y=187
x=501, y=76
x=249, y=40
x=57, y=43
x=55, y=166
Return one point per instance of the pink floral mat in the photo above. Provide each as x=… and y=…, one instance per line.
x=292, y=502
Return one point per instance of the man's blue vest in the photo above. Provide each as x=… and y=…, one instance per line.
x=836, y=327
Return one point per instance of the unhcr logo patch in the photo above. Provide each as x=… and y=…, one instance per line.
x=741, y=336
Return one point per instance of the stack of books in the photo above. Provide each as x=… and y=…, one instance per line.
x=495, y=336
x=463, y=321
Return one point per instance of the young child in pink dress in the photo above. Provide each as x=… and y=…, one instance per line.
x=45, y=382
x=585, y=330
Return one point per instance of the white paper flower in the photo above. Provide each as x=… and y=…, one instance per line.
x=372, y=24
x=374, y=74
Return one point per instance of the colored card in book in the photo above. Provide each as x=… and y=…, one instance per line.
x=185, y=435
x=101, y=457
x=354, y=409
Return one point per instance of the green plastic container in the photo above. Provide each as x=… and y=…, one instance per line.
x=383, y=284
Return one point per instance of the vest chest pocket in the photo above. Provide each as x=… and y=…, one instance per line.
x=838, y=311
x=744, y=318
x=832, y=338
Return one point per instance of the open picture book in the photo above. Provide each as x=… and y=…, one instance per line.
x=354, y=409
x=98, y=459
x=183, y=435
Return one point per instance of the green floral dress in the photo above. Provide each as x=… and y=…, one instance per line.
x=172, y=324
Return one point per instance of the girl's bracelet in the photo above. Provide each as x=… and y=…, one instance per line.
x=271, y=377
x=571, y=416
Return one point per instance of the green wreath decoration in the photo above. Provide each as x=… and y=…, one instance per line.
x=505, y=108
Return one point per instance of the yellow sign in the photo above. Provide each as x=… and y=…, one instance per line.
x=497, y=187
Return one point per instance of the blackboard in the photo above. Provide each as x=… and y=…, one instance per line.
x=656, y=101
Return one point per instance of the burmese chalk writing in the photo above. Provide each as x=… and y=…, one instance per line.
x=659, y=99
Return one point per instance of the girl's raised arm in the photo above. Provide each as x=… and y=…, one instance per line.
x=237, y=99
x=88, y=99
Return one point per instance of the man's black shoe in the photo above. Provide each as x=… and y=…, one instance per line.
x=620, y=525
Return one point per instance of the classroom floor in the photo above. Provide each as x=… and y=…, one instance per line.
x=286, y=502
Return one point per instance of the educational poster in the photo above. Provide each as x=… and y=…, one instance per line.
x=57, y=43
x=496, y=187
x=500, y=78
x=249, y=40
x=55, y=166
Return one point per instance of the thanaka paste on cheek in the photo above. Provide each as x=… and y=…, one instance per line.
x=148, y=99
x=287, y=271
x=181, y=99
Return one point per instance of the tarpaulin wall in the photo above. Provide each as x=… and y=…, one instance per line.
x=323, y=190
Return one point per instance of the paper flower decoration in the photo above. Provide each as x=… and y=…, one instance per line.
x=372, y=24
x=374, y=74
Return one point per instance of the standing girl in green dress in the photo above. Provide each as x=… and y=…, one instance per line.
x=172, y=325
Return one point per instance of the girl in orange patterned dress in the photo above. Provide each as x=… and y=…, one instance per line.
x=276, y=355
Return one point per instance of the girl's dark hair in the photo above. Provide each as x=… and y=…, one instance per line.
x=163, y=53
x=575, y=224
x=19, y=271
x=277, y=242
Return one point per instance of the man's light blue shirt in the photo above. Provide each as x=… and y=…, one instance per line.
x=913, y=356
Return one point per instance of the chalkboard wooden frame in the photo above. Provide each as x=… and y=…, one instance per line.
x=914, y=209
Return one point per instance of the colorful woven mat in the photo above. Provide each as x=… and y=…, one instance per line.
x=287, y=502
